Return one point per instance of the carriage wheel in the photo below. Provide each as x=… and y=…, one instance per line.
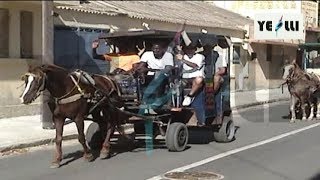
x=94, y=136
x=177, y=137
x=226, y=132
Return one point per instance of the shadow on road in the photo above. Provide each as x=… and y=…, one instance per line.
x=315, y=177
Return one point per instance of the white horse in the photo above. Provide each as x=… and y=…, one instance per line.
x=303, y=89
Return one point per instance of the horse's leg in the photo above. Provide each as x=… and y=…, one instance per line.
x=314, y=108
x=105, y=150
x=293, y=102
x=317, y=105
x=303, y=107
x=58, y=122
x=79, y=120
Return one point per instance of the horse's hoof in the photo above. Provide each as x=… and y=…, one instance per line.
x=304, y=119
x=55, y=165
x=292, y=121
x=104, y=155
x=88, y=157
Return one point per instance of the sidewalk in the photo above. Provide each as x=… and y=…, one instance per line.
x=26, y=131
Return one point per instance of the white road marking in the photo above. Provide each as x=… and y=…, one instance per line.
x=30, y=79
x=234, y=151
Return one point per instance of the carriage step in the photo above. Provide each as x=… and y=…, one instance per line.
x=127, y=128
x=131, y=103
x=129, y=96
x=135, y=118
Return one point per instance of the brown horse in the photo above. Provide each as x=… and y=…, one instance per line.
x=302, y=88
x=74, y=93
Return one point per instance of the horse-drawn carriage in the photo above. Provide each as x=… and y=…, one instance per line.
x=115, y=100
x=310, y=57
x=303, y=79
x=172, y=120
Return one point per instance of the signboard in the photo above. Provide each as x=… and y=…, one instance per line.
x=249, y=8
x=310, y=11
x=273, y=26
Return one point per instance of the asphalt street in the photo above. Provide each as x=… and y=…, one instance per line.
x=291, y=157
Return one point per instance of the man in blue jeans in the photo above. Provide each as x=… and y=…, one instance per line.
x=161, y=61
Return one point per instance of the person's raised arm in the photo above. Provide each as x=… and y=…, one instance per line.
x=95, y=55
x=193, y=65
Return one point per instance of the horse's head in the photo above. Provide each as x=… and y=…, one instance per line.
x=287, y=71
x=34, y=83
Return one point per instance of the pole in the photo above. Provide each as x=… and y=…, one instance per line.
x=47, y=58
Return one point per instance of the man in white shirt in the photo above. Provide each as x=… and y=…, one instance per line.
x=157, y=59
x=193, y=68
x=220, y=65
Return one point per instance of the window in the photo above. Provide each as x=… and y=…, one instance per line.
x=236, y=54
x=4, y=33
x=269, y=52
x=26, y=34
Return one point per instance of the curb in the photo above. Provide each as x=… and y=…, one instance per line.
x=35, y=143
x=259, y=103
x=75, y=136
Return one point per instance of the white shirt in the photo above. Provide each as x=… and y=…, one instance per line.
x=154, y=63
x=197, y=59
x=222, y=59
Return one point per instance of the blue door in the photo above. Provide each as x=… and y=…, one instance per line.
x=72, y=49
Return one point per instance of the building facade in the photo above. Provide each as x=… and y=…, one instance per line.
x=265, y=71
x=77, y=24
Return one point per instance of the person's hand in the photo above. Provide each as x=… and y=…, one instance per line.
x=95, y=44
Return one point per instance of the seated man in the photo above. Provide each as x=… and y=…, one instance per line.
x=193, y=67
x=157, y=59
x=220, y=71
x=220, y=65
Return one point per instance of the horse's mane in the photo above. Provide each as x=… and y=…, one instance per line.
x=298, y=72
x=52, y=67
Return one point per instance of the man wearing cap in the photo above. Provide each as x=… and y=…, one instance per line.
x=193, y=67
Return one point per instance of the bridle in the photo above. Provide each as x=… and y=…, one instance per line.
x=64, y=99
x=42, y=87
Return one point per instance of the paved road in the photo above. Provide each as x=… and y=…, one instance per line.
x=292, y=157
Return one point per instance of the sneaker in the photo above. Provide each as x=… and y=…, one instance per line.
x=200, y=124
x=187, y=101
x=149, y=111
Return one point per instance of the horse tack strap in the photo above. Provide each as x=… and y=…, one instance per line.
x=72, y=98
x=77, y=84
x=115, y=87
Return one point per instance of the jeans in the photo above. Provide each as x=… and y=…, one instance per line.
x=218, y=104
x=153, y=86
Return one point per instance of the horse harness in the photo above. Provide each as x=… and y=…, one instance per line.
x=87, y=79
x=65, y=99
x=293, y=77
